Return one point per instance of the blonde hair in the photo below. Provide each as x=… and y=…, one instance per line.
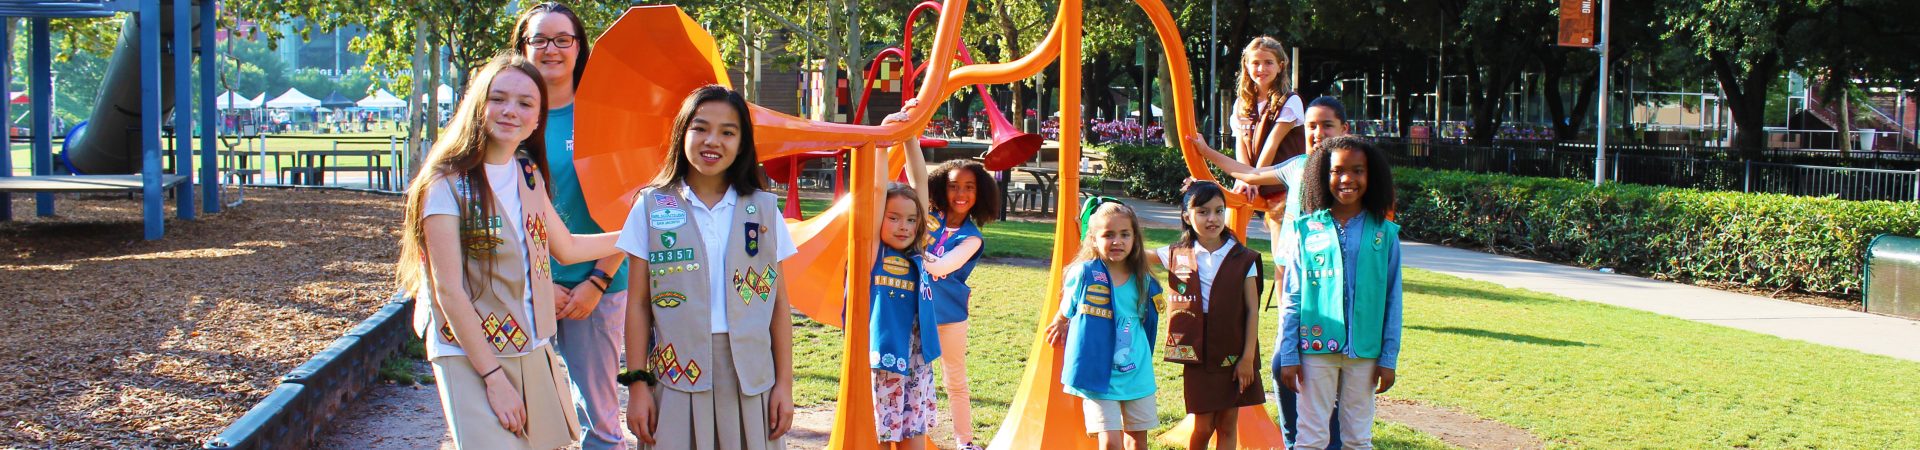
x=1136, y=260
x=1249, y=91
x=462, y=151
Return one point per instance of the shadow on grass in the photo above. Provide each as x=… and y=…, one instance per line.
x=1494, y=293
x=1509, y=337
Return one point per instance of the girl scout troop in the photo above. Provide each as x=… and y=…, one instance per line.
x=527, y=303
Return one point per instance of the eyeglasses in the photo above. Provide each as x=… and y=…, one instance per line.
x=562, y=41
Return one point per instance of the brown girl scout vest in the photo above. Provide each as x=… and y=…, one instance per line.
x=1214, y=337
x=500, y=270
x=682, y=354
x=1294, y=144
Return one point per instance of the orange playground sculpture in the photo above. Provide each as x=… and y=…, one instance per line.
x=647, y=62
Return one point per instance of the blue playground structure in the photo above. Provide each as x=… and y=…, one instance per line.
x=120, y=150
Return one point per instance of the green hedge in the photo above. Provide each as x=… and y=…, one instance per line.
x=1149, y=172
x=1810, y=244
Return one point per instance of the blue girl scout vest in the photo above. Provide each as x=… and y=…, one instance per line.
x=1324, y=326
x=900, y=308
x=682, y=353
x=951, y=294
x=1091, y=333
x=501, y=271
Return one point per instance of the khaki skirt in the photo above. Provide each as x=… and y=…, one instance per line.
x=722, y=418
x=542, y=381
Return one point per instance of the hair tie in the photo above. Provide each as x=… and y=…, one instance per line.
x=1088, y=207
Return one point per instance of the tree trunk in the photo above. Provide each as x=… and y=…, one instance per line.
x=433, y=83
x=853, y=55
x=1837, y=81
x=1746, y=99
x=1567, y=123
x=1169, y=120
x=415, y=152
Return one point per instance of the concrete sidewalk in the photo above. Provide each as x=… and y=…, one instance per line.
x=1880, y=335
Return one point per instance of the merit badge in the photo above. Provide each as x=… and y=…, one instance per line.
x=536, y=229
x=666, y=218
x=1317, y=345
x=514, y=333
x=896, y=265
x=669, y=299
x=1230, y=360
x=693, y=372
x=1316, y=331
x=1333, y=345
x=752, y=235
x=666, y=200
x=755, y=285
x=446, y=332
x=492, y=327
x=667, y=240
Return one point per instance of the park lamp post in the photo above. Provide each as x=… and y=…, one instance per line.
x=1600, y=146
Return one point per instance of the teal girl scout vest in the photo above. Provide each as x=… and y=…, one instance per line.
x=901, y=306
x=1091, y=333
x=682, y=353
x=1324, y=325
x=502, y=271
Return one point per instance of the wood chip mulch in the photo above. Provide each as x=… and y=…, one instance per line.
x=111, y=341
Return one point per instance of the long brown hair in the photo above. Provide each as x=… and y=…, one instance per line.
x=461, y=152
x=745, y=176
x=579, y=35
x=1136, y=261
x=1250, y=92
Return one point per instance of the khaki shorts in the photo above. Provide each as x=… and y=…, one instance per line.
x=1120, y=415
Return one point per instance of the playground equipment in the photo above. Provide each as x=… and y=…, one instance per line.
x=625, y=107
x=1010, y=145
x=107, y=156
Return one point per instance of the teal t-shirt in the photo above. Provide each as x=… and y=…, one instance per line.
x=1132, y=377
x=567, y=199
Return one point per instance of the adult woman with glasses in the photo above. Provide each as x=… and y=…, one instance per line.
x=590, y=297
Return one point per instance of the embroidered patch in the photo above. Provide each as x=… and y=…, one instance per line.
x=1098, y=299
x=1378, y=237
x=482, y=244
x=536, y=229
x=1316, y=331
x=669, y=299
x=752, y=238
x=491, y=325
x=693, y=372
x=1181, y=352
x=1096, y=311
x=886, y=360
x=896, y=283
x=1303, y=331
x=1317, y=242
x=529, y=171
x=514, y=333
x=543, y=265
x=666, y=200
x=1230, y=360
x=1100, y=277
x=668, y=239
x=1316, y=226
x=755, y=285
x=1333, y=345
x=1303, y=344
x=670, y=256
x=896, y=265
x=446, y=332
x=1317, y=345
x=1098, y=289
x=1319, y=260
x=666, y=218
x=752, y=209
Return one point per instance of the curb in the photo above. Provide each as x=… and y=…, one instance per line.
x=313, y=394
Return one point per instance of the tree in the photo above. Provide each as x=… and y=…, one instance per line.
x=1746, y=45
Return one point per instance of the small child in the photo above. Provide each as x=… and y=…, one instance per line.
x=901, y=325
x=1109, y=309
x=1211, y=324
x=1342, y=320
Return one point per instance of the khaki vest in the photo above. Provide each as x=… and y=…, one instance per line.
x=682, y=354
x=497, y=271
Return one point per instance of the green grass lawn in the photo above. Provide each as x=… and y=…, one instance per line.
x=1574, y=374
x=22, y=154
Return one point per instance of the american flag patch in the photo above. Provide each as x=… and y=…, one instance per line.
x=666, y=200
x=1100, y=277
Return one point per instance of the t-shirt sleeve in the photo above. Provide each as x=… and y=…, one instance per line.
x=439, y=200
x=633, y=235
x=1238, y=131
x=1162, y=254
x=1293, y=111
x=787, y=247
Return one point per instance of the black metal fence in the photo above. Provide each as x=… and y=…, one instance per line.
x=1687, y=167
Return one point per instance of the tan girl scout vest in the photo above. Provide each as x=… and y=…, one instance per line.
x=497, y=267
x=682, y=354
x=1212, y=337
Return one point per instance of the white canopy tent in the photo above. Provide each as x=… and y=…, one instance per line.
x=293, y=99
x=231, y=100
x=382, y=99
x=446, y=95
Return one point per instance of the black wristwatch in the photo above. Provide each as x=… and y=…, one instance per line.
x=602, y=275
x=627, y=378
